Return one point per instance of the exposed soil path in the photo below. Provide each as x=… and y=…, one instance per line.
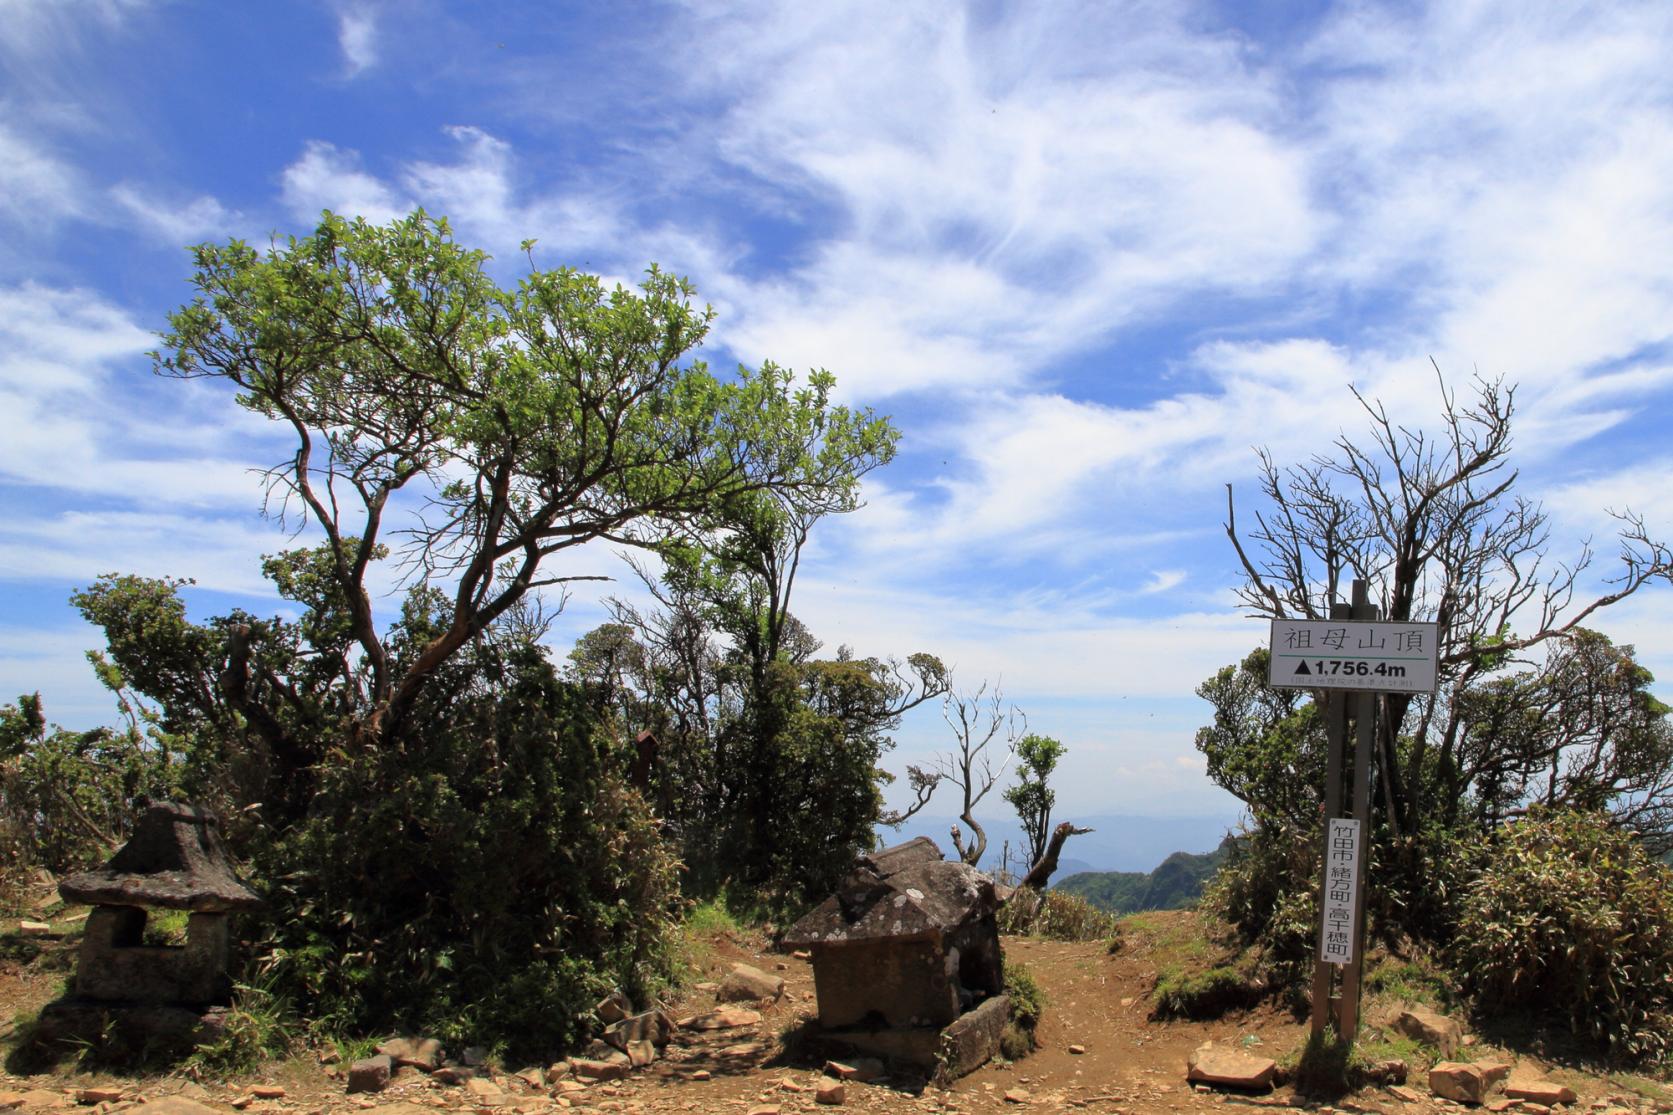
x=1097, y=1002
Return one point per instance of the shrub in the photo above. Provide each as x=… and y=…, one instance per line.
x=485, y=882
x=1570, y=915
x=1028, y=1003
x=1204, y=994
x=1057, y=916
x=1267, y=891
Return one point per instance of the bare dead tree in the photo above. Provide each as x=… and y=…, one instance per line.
x=978, y=720
x=1042, y=871
x=1433, y=524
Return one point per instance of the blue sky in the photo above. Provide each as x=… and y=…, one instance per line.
x=1087, y=256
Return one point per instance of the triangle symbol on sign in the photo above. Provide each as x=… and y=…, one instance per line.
x=1302, y=669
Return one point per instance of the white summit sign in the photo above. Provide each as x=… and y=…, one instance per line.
x=1346, y=654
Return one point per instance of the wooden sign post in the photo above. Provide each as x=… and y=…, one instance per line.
x=1347, y=660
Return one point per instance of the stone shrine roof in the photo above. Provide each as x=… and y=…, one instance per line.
x=175, y=859
x=901, y=893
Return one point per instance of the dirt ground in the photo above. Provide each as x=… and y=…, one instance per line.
x=1097, y=1003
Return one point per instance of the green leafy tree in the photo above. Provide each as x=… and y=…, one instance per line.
x=442, y=824
x=529, y=420
x=1032, y=796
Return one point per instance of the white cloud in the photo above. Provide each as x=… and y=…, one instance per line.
x=357, y=39
x=174, y=222
x=35, y=187
x=326, y=177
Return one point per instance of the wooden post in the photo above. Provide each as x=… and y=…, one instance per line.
x=1365, y=723
x=1336, y=731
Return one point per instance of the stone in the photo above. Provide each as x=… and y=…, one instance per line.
x=1018, y=1095
x=857, y=1068
x=764, y=1109
x=831, y=1092
x=1390, y=1070
x=1077, y=1050
x=424, y=1054
x=87, y=1097
x=34, y=928
x=556, y=1071
x=972, y=1039
x=1431, y=1028
x=172, y=1105
x=652, y=1025
x=371, y=1074
x=243, y=1102
x=1458, y=1081
x=1548, y=1092
x=727, y=1018
x=483, y=1088
x=267, y=1091
x=453, y=1074
x=1503, y=1105
x=613, y=1007
x=702, y=1074
x=1493, y=1071
x=600, y=1070
x=747, y=983
x=1404, y=1094
x=641, y=1053
x=1230, y=1068
x=9, y=1100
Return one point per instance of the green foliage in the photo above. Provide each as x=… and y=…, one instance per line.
x=1267, y=891
x=486, y=883
x=1028, y=1005
x=1032, y=796
x=67, y=798
x=1183, y=992
x=1176, y=883
x=1572, y=917
x=259, y=1027
x=1056, y=916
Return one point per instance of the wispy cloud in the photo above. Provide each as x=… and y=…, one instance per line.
x=357, y=39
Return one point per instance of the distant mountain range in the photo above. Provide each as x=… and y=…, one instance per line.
x=1176, y=883
x=1118, y=842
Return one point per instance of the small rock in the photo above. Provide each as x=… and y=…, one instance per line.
x=802, y=954
x=1541, y=1109
x=832, y=1092
x=641, y=1053
x=861, y=1069
x=267, y=1091
x=613, y=1007
x=1077, y=1050
x=1548, y=1092
x=747, y=983
x=1431, y=1028
x=34, y=928
x=1457, y=1081
x=424, y=1054
x=371, y=1074
x=702, y=1074
x=1212, y=1064
x=1018, y=1095
x=453, y=1074
x=731, y=1018
x=556, y=1071
x=1404, y=1094
x=242, y=1102
x=9, y=1100
x=764, y=1109
x=87, y=1097
x=329, y=1057
x=788, y=1085
x=600, y=1070
x=1498, y=1106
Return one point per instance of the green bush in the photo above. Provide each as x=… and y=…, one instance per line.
x=487, y=882
x=1570, y=916
x=1267, y=891
x=1056, y=916
x=1028, y=1003
x=1203, y=994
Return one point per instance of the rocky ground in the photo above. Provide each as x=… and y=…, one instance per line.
x=1100, y=1051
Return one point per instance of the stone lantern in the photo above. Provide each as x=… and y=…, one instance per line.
x=175, y=860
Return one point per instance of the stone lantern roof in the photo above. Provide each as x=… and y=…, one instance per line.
x=901, y=893
x=175, y=860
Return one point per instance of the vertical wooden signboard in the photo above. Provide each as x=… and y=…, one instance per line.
x=1347, y=660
